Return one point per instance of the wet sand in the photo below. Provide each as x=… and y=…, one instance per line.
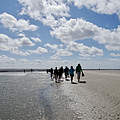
x=33, y=96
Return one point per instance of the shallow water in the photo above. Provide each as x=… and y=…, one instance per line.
x=33, y=96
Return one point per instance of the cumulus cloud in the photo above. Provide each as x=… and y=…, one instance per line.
x=54, y=12
x=6, y=59
x=75, y=29
x=36, y=39
x=61, y=52
x=24, y=41
x=13, y=24
x=13, y=45
x=50, y=11
x=99, y=6
x=83, y=50
x=6, y=42
x=21, y=35
x=17, y=51
x=3, y=47
x=115, y=54
x=39, y=50
x=10, y=42
x=46, y=11
x=52, y=46
x=79, y=29
x=110, y=39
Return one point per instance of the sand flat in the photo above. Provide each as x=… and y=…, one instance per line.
x=99, y=98
x=33, y=96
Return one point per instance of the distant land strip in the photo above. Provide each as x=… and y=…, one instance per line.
x=39, y=70
x=21, y=70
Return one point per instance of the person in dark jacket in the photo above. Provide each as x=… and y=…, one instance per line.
x=78, y=71
x=71, y=71
x=61, y=72
x=56, y=74
x=66, y=71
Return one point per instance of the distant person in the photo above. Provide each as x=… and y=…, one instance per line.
x=66, y=71
x=31, y=70
x=24, y=70
x=56, y=74
x=51, y=73
x=71, y=71
x=78, y=71
x=61, y=70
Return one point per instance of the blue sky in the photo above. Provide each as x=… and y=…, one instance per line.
x=49, y=33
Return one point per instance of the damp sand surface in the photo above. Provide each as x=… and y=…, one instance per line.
x=34, y=96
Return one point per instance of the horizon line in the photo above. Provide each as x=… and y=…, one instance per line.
x=37, y=69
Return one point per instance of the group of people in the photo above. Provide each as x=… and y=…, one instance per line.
x=58, y=73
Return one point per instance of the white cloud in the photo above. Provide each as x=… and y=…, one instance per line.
x=3, y=47
x=75, y=29
x=46, y=11
x=61, y=52
x=6, y=59
x=40, y=8
x=100, y=6
x=39, y=50
x=50, y=11
x=13, y=45
x=13, y=24
x=24, y=60
x=36, y=39
x=4, y=39
x=9, y=62
x=83, y=50
x=6, y=42
x=79, y=29
x=110, y=39
x=53, y=13
x=115, y=54
x=52, y=46
x=24, y=41
x=16, y=51
x=10, y=42
x=21, y=35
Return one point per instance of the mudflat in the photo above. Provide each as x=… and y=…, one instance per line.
x=33, y=96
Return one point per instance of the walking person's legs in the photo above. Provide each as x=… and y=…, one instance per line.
x=51, y=75
x=65, y=76
x=71, y=78
x=78, y=76
x=56, y=78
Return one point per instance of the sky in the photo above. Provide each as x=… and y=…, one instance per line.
x=48, y=33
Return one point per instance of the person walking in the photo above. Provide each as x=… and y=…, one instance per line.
x=78, y=72
x=71, y=71
x=61, y=72
x=66, y=71
x=56, y=74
